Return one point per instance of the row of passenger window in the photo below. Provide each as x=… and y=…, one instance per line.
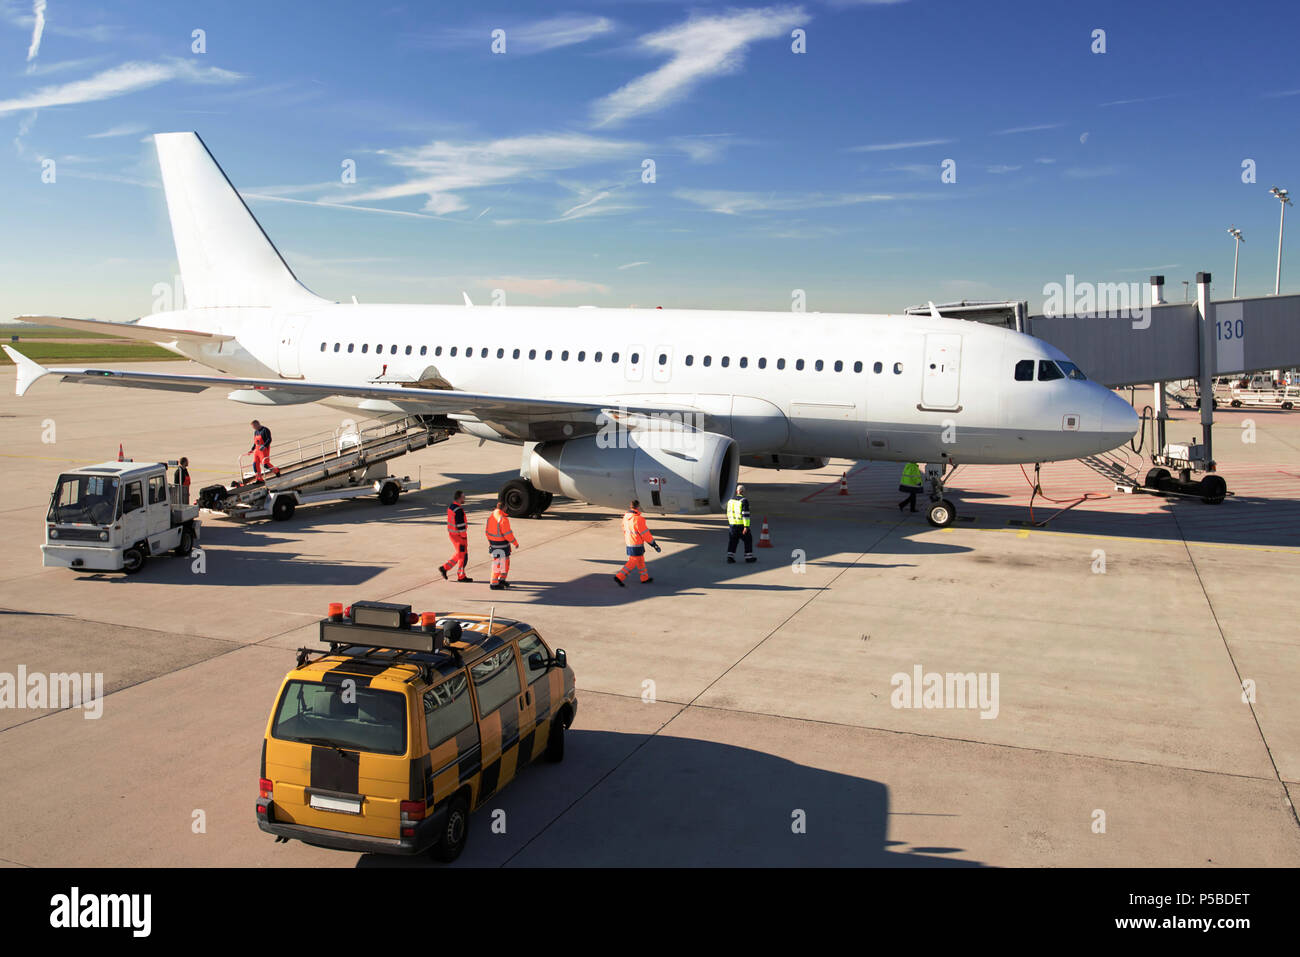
x=1048, y=370
x=724, y=361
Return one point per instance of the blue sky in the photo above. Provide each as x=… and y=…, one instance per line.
x=774, y=171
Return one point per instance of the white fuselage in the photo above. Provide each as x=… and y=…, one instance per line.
x=906, y=387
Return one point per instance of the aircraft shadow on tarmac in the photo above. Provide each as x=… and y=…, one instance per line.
x=681, y=802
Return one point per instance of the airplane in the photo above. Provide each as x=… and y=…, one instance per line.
x=608, y=405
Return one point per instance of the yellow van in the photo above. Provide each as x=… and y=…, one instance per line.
x=386, y=742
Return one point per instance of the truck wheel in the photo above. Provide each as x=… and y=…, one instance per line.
x=555, y=742
x=1213, y=489
x=283, y=508
x=132, y=560
x=388, y=494
x=1235, y=403
x=1156, y=478
x=1287, y=406
x=454, y=832
x=186, y=544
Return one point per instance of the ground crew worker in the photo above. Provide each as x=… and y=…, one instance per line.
x=738, y=524
x=636, y=536
x=182, y=478
x=910, y=484
x=458, y=532
x=500, y=539
x=262, y=449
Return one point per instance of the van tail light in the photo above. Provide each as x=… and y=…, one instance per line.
x=265, y=789
x=412, y=811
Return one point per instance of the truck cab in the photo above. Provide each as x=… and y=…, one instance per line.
x=114, y=516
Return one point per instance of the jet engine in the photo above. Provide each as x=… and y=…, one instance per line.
x=672, y=470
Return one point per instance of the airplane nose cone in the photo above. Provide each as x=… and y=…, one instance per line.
x=1118, y=417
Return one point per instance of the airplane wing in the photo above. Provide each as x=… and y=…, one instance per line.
x=126, y=330
x=520, y=416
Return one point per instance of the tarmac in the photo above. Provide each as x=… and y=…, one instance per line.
x=1143, y=652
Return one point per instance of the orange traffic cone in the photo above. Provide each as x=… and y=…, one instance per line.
x=764, y=537
x=121, y=457
x=844, y=483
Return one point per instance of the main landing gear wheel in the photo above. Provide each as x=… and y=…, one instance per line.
x=941, y=513
x=520, y=498
x=544, y=500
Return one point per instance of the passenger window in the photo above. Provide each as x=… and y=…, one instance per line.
x=564, y=356
x=690, y=360
x=877, y=368
x=447, y=710
x=336, y=347
x=496, y=680
x=857, y=366
x=818, y=365
x=1047, y=371
x=532, y=353
x=350, y=345
x=322, y=347
x=613, y=357
x=132, y=498
x=898, y=368
x=530, y=645
x=744, y=362
x=596, y=357
x=158, y=490
x=726, y=361
x=636, y=357
x=798, y=365
x=453, y=351
x=379, y=350
x=365, y=347
x=483, y=354
x=839, y=366
x=501, y=353
x=582, y=356
x=437, y=350
x=548, y=355
x=762, y=363
x=515, y=355
x=1025, y=370
x=780, y=363
x=708, y=360
x=424, y=350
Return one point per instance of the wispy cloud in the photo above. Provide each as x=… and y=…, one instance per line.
x=442, y=170
x=901, y=145
x=700, y=48
x=643, y=262
x=594, y=205
x=1028, y=129
x=736, y=202
x=268, y=198
x=1283, y=93
x=120, y=80
x=38, y=30
x=1000, y=168
x=536, y=37
x=1139, y=99
x=124, y=129
x=704, y=147
x=1046, y=160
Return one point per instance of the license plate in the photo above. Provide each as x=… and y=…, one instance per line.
x=342, y=805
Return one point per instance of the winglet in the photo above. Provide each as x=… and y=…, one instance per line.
x=934, y=311
x=28, y=369
x=466, y=295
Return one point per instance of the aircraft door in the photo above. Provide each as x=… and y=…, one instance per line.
x=941, y=375
x=290, y=344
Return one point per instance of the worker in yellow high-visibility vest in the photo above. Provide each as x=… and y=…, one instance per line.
x=738, y=526
x=910, y=484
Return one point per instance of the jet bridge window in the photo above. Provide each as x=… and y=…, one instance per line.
x=1025, y=370
x=1047, y=371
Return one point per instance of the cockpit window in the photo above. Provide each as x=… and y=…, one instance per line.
x=1047, y=371
x=1025, y=370
x=1072, y=371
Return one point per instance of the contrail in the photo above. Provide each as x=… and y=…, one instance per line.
x=38, y=28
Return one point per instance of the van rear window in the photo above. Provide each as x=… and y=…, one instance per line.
x=348, y=716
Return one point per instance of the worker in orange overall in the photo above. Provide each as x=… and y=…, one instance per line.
x=262, y=450
x=636, y=536
x=500, y=540
x=458, y=532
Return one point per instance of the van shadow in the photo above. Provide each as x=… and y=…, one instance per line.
x=622, y=800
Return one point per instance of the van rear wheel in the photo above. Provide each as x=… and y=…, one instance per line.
x=455, y=831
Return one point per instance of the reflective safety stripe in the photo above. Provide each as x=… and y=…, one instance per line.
x=911, y=474
x=736, y=512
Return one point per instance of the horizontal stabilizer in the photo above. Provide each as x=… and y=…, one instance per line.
x=127, y=330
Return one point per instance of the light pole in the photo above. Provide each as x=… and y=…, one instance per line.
x=1239, y=239
x=1284, y=197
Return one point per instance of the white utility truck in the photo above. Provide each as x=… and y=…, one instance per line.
x=113, y=516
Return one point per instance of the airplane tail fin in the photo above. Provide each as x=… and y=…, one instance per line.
x=225, y=257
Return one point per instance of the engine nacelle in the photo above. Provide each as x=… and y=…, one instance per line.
x=668, y=470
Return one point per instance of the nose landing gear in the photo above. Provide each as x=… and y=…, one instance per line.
x=941, y=512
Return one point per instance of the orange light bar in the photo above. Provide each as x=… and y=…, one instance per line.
x=336, y=611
